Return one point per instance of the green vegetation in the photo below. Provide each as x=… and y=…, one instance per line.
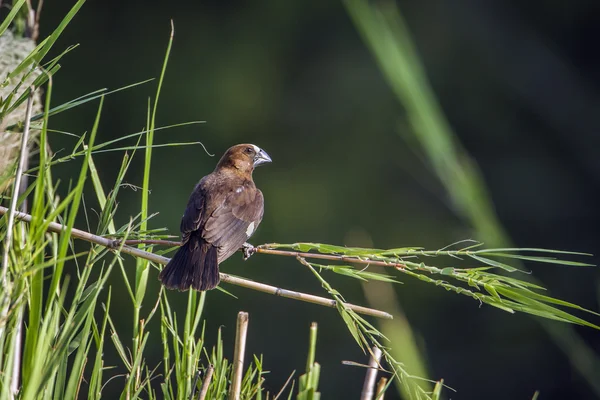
x=64, y=324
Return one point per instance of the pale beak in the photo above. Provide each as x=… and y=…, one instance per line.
x=261, y=158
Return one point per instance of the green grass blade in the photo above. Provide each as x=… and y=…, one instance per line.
x=44, y=47
x=16, y=7
x=76, y=196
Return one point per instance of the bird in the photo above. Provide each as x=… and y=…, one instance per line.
x=223, y=211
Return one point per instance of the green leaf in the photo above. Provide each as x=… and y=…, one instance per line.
x=548, y=260
x=535, y=307
x=546, y=299
x=350, y=323
x=493, y=263
x=401, y=251
x=377, y=277
x=16, y=7
x=530, y=249
x=492, y=291
x=44, y=47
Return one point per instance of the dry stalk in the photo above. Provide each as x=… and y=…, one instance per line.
x=238, y=357
x=371, y=376
x=206, y=382
x=381, y=388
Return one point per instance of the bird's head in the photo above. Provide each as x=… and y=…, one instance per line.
x=243, y=158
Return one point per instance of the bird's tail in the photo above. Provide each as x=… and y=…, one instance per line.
x=193, y=265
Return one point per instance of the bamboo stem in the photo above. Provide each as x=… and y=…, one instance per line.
x=371, y=376
x=238, y=357
x=234, y=280
x=309, y=298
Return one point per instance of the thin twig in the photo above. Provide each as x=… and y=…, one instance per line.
x=206, y=382
x=195, y=384
x=286, y=253
x=134, y=242
x=289, y=379
x=371, y=376
x=381, y=385
x=261, y=287
x=332, y=257
x=38, y=13
x=238, y=356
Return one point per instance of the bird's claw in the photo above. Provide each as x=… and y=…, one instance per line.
x=248, y=250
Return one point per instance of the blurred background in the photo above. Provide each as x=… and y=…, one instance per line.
x=519, y=85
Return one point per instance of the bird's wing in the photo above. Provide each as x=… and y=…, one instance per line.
x=234, y=221
x=192, y=217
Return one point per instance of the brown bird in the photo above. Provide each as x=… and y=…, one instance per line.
x=223, y=211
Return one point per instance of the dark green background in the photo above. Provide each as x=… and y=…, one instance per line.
x=518, y=81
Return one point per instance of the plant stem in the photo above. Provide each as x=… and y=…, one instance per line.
x=285, y=253
x=309, y=298
x=206, y=382
x=312, y=346
x=332, y=257
x=371, y=376
x=17, y=189
x=133, y=242
x=381, y=388
x=261, y=287
x=238, y=357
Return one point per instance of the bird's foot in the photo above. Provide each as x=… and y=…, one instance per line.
x=248, y=250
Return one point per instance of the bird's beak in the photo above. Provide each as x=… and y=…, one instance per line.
x=261, y=158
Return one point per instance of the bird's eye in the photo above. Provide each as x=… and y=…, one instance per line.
x=249, y=150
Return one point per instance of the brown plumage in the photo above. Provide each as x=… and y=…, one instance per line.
x=223, y=211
